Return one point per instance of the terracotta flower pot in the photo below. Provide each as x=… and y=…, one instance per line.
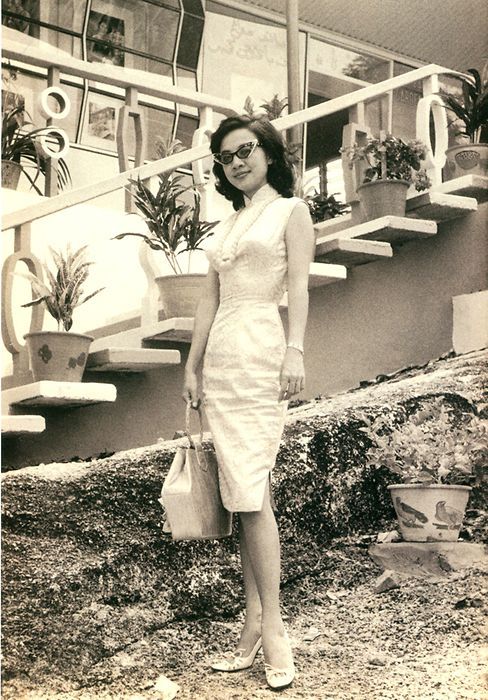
x=57, y=356
x=180, y=294
x=382, y=198
x=10, y=174
x=429, y=513
x=466, y=159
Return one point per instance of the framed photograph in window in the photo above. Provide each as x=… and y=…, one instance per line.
x=26, y=10
x=100, y=122
x=108, y=34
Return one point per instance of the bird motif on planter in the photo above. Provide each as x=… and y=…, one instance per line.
x=449, y=515
x=409, y=515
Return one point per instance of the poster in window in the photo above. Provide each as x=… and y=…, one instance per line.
x=106, y=39
x=100, y=124
x=26, y=10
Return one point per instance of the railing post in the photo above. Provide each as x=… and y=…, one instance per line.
x=432, y=102
x=22, y=253
x=201, y=137
x=353, y=133
x=131, y=109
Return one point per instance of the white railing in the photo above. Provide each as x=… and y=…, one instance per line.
x=20, y=220
x=428, y=74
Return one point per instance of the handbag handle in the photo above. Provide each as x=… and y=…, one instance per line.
x=202, y=464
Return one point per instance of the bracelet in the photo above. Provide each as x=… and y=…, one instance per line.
x=295, y=346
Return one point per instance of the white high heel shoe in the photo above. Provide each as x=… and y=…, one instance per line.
x=232, y=661
x=280, y=678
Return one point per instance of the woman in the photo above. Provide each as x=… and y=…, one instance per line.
x=249, y=369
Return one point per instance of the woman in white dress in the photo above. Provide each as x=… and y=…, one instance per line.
x=249, y=369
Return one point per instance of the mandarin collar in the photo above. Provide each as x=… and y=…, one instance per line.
x=264, y=192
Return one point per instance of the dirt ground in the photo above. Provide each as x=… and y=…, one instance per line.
x=425, y=640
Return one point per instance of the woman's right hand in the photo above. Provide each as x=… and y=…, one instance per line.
x=190, y=389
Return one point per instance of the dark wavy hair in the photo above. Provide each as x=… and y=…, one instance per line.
x=280, y=171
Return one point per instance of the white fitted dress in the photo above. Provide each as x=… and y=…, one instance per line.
x=246, y=347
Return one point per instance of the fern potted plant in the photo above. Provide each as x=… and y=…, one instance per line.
x=470, y=155
x=438, y=456
x=21, y=151
x=387, y=167
x=174, y=228
x=60, y=355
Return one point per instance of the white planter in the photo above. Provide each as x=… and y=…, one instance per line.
x=180, y=294
x=432, y=513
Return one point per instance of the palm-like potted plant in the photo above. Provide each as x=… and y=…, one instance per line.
x=471, y=114
x=60, y=355
x=324, y=206
x=438, y=456
x=174, y=228
x=386, y=168
x=21, y=152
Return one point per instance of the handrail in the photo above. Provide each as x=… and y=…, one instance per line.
x=350, y=99
x=84, y=194
x=146, y=83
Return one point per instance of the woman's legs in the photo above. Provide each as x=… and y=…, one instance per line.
x=262, y=552
x=252, y=623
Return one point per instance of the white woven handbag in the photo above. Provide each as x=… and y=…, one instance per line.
x=191, y=494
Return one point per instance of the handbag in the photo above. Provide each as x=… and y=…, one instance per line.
x=190, y=494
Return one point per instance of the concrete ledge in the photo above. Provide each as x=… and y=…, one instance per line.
x=325, y=273
x=131, y=359
x=175, y=329
x=392, y=229
x=429, y=559
x=468, y=186
x=48, y=393
x=22, y=425
x=440, y=206
x=354, y=251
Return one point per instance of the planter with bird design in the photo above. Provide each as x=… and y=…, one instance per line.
x=429, y=513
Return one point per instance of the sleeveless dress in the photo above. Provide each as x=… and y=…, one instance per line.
x=246, y=346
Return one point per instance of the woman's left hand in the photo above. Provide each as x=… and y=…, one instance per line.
x=292, y=378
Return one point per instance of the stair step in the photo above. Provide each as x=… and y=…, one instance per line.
x=440, y=206
x=178, y=329
x=354, y=251
x=391, y=229
x=322, y=273
x=22, y=424
x=131, y=359
x=49, y=393
x=468, y=186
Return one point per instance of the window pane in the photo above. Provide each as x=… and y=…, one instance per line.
x=190, y=40
x=186, y=79
x=193, y=6
x=185, y=129
x=162, y=29
x=65, y=14
x=17, y=14
x=159, y=126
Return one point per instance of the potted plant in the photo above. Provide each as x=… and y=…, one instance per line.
x=60, y=355
x=438, y=456
x=174, y=228
x=470, y=155
x=21, y=151
x=387, y=168
x=324, y=206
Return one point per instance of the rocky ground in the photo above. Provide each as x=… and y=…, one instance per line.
x=421, y=641
x=98, y=605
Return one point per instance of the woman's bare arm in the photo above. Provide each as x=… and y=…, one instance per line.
x=204, y=316
x=300, y=244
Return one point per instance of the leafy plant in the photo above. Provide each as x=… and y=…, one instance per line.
x=22, y=145
x=471, y=108
x=272, y=108
x=323, y=206
x=66, y=285
x=174, y=227
x=431, y=446
x=390, y=158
